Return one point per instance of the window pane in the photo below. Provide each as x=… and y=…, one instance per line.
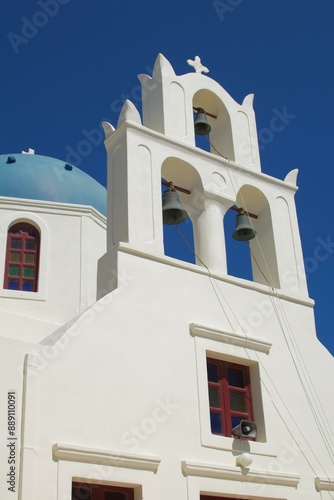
x=29, y=258
x=30, y=245
x=14, y=271
x=13, y=284
x=14, y=256
x=216, y=426
x=15, y=243
x=22, y=249
x=113, y=495
x=212, y=372
x=79, y=493
x=235, y=377
x=238, y=402
x=214, y=397
x=28, y=272
x=235, y=421
x=28, y=286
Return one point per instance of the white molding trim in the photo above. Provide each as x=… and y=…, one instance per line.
x=243, y=283
x=238, y=474
x=60, y=208
x=230, y=338
x=104, y=457
x=213, y=159
x=324, y=483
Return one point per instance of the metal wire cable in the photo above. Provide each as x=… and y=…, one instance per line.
x=279, y=310
x=297, y=428
x=317, y=416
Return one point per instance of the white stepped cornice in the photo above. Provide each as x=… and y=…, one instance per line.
x=230, y=338
x=324, y=483
x=104, y=457
x=243, y=474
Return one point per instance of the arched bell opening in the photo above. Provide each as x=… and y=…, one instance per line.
x=217, y=135
x=237, y=253
x=181, y=194
x=202, y=140
x=250, y=245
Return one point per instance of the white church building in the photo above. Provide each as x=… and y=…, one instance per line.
x=127, y=374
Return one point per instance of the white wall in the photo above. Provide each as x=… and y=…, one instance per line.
x=73, y=238
x=129, y=377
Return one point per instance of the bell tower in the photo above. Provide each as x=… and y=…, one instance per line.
x=180, y=380
x=162, y=145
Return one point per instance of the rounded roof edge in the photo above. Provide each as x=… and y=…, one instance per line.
x=44, y=178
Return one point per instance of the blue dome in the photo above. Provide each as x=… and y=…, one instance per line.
x=42, y=178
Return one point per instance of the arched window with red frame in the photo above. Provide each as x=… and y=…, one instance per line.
x=22, y=258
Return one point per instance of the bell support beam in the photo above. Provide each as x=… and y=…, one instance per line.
x=178, y=188
x=240, y=210
x=206, y=112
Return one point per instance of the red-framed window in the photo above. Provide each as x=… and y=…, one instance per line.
x=229, y=395
x=22, y=258
x=86, y=491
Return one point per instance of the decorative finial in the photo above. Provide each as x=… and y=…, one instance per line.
x=197, y=65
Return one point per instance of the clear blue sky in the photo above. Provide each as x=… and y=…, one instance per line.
x=68, y=64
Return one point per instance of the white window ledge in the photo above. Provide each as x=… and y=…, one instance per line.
x=104, y=457
x=238, y=474
x=230, y=338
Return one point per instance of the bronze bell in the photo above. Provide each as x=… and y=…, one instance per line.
x=202, y=127
x=244, y=230
x=172, y=210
